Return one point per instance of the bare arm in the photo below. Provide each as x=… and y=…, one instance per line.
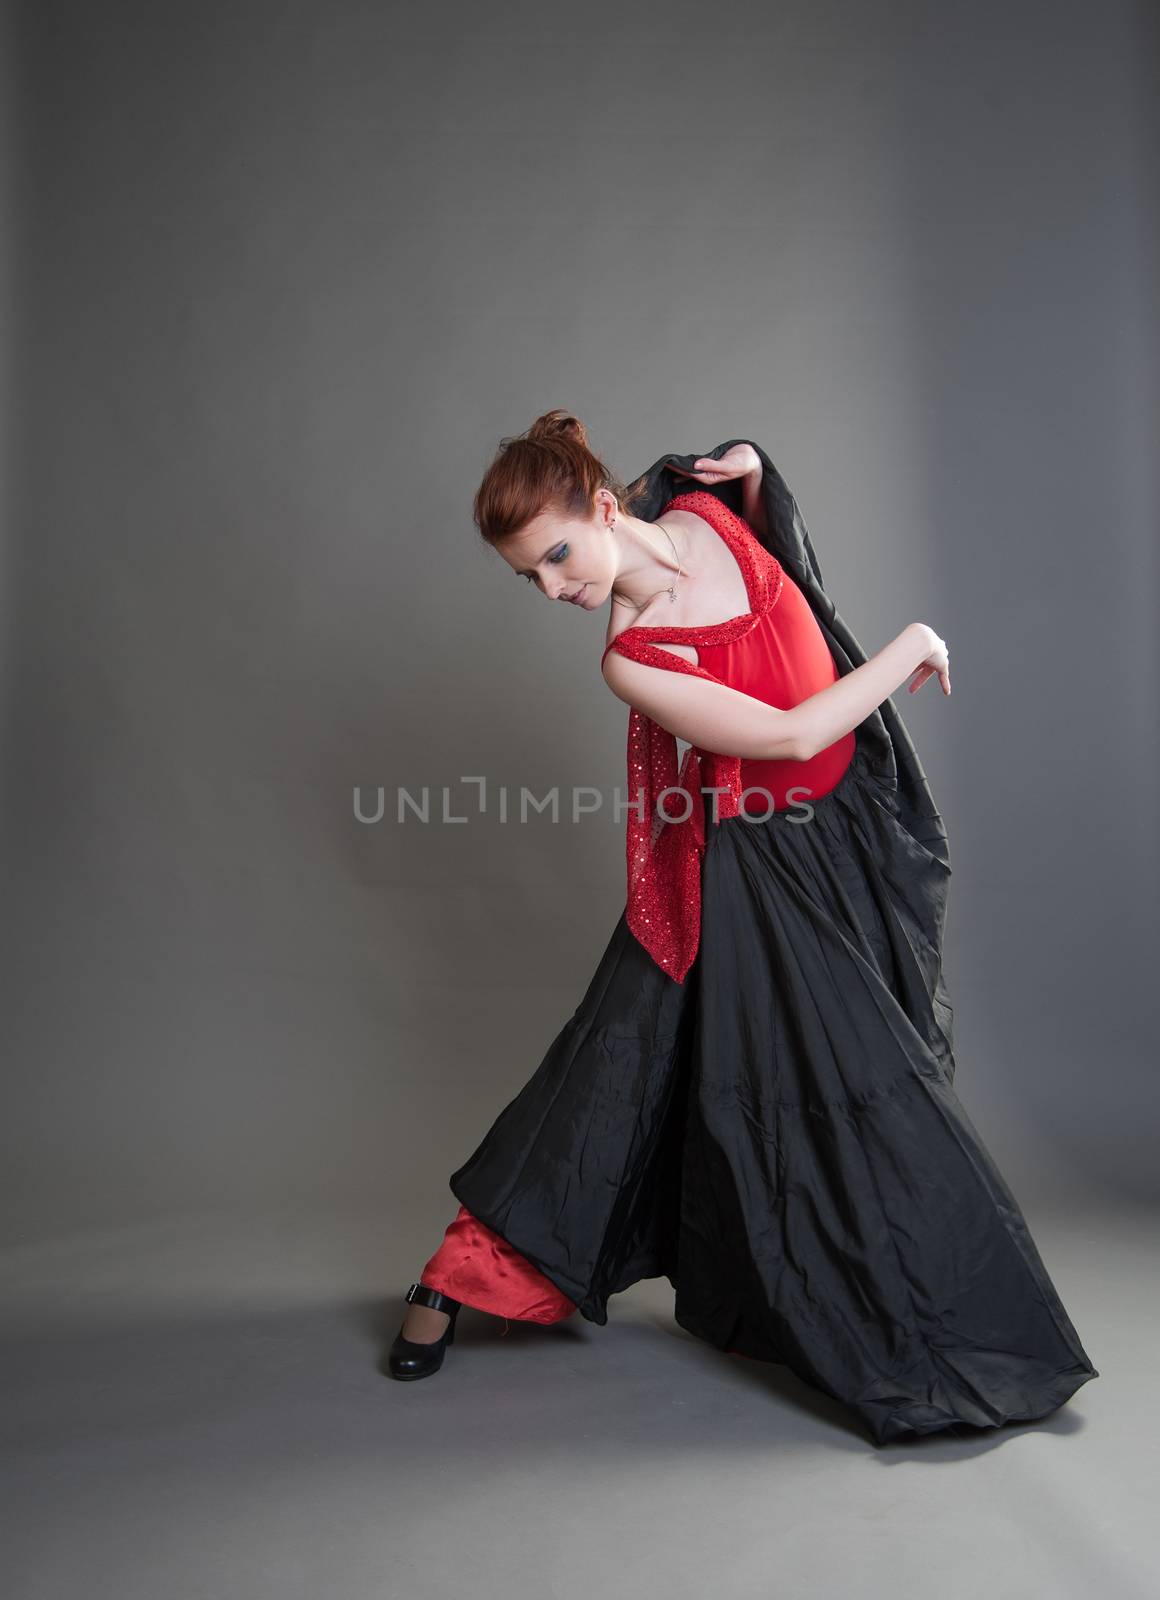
x=726, y=721
x=752, y=504
x=710, y=715
x=841, y=706
x=742, y=462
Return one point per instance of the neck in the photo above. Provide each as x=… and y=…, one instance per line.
x=646, y=563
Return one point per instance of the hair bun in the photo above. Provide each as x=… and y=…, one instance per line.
x=558, y=424
x=560, y=475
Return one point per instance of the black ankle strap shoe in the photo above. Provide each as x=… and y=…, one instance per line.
x=409, y=1358
x=435, y=1298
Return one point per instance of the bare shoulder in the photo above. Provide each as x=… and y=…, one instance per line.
x=621, y=671
x=621, y=620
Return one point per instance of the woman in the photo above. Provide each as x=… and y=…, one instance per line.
x=754, y=1097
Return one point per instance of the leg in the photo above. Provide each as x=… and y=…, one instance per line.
x=478, y=1268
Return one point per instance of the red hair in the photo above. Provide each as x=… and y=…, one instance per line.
x=550, y=467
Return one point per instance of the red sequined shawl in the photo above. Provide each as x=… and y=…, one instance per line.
x=664, y=846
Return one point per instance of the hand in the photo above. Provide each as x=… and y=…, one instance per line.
x=739, y=461
x=937, y=662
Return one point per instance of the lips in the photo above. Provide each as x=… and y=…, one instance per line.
x=573, y=598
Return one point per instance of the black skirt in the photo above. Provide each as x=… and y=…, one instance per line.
x=779, y=1136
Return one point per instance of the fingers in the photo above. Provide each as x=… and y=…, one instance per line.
x=705, y=469
x=923, y=674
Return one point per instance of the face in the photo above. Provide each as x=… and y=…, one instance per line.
x=565, y=557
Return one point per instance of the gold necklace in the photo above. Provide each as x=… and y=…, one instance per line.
x=671, y=591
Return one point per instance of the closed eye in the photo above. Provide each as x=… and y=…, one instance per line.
x=553, y=560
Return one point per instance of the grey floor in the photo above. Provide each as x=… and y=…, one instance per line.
x=193, y=1409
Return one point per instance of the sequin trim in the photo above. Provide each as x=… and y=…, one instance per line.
x=664, y=847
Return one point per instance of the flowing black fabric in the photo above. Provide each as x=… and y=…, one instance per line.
x=780, y=1136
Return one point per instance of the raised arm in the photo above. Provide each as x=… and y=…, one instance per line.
x=726, y=721
x=742, y=462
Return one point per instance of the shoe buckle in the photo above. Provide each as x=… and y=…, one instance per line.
x=410, y=1294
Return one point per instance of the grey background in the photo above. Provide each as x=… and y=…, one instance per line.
x=276, y=280
x=281, y=277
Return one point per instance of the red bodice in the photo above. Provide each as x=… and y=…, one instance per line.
x=775, y=652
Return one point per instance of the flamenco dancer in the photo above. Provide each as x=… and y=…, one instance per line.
x=754, y=1098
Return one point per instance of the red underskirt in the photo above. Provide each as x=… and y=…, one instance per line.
x=474, y=1265
x=478, y=1268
